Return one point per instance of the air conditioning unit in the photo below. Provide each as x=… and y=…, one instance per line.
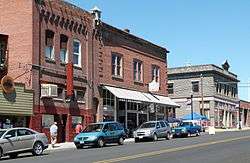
x=49, y=90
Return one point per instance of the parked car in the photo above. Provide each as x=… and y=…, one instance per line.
x=14, y=141
x=186, y=129
x=153, y=130
x=98, y=134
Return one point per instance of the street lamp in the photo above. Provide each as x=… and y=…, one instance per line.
x=192, y=109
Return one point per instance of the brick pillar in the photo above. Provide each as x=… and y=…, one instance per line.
x=69, y=131
x=36, y=122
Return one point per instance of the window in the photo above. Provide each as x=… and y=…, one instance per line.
x=195, y=86
x=116, y=65
x=155, y=73
x=49, y=45
x=170, y=88
x=80, y=95
x=108, y=99
x=23, y=132
x=63, y=49
x=137, y=66
x=12, y=133
x=77, y=53
x=158, y=125
x=162, y=124
x=59, y=93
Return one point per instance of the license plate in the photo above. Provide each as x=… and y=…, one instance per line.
x=81, y=142
x=140, y=137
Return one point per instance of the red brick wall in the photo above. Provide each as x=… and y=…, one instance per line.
x=16, y=22
x=244, y=105
x=130, y=50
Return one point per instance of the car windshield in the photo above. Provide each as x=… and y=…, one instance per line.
x=148, y=125
x=185, y=124
x=94, y=128
x=2, y=132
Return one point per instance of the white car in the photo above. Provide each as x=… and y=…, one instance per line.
x=153, y=130
x=21, y=140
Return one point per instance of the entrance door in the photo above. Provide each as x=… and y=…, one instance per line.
x=61, y=124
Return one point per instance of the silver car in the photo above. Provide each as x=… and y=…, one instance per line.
x=153, y=130
x=20, y=140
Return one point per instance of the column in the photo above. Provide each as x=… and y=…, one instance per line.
x=137, y=114
x=224, y=117
x=126, y=114
x=115, y=109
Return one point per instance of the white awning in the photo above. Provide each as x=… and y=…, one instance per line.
x=128, y=94
x=140, y=96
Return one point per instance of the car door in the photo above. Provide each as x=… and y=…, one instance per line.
x=108, y=131
x=158, y=129
x=163, y=129
x=9, y=144
x=25, y=139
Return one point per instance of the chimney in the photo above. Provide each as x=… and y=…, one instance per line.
x=127, y=30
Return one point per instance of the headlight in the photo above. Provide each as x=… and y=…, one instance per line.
x=183, y=130
x=173, y=130
x=91, y=138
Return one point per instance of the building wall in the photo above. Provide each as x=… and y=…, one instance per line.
x=16, y=22
x=124, y=44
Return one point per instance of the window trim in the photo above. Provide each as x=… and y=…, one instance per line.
x=79, y=54
x=136, y=76
x=121, y=65
x=155, y=73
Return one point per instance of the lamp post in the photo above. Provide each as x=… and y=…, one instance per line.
x=192, y=109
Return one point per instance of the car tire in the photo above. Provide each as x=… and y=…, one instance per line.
x=37, y=149
x=79, y=146
x=155, y=138
x=1, y=153
x=198, y=133
x=169, y=136
x=13, y=155
x=137, y=140
x=121, y=141
x=100, y=142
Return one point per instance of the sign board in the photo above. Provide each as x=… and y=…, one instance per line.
x=153, y=86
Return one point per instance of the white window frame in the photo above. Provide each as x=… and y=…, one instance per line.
x=79, y=54
x=116, y=65
x=156, y=73
x=138, y=76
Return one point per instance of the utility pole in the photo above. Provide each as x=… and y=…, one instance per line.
x=192, y=109
x=202, y=96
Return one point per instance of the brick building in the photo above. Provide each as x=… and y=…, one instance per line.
x=79, y=68
x=244, y=110
x=214, y=90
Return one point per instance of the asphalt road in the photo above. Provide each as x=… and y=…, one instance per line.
x=227, y=147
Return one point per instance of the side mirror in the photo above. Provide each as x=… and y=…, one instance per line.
x=7, y=136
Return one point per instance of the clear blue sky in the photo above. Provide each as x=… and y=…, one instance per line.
x=195, y=31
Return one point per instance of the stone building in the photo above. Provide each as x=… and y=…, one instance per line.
x=244, y=111
x=214, y=90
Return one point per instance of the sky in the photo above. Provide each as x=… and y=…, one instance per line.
x=194, y=31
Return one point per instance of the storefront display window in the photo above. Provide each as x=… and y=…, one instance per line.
x=76, y=120
x=47, y=120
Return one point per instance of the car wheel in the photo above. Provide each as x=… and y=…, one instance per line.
x=155, y=138
x=1, y=153
x=37, y=149
x=197, y=133
x=137, y=140
x=169, y=136
x=13, y=155
x=100, y=142
x=121, y=141
x=79, y=146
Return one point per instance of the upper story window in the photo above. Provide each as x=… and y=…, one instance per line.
x=116, y=65
x=63, y=49
x=49, y=45
x=137, y=66
x=170, y=88
x=156, y=73
x=195, y=86
x=77, y=53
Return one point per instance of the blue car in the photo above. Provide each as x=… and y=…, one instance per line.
x=186, y=129
x=99, y=134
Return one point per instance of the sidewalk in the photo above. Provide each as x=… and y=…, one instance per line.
x=232, y=129
x=70, y=145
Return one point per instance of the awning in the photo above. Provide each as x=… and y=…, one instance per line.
x=128, y=94
x=140, y=96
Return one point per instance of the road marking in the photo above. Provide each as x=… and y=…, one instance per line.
x=154, y=153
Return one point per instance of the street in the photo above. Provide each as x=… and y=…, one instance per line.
x=225, y=147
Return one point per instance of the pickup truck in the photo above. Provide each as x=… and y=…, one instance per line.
x=186, y=129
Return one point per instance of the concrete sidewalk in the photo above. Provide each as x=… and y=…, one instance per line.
x=232, y=129
x=70, y=145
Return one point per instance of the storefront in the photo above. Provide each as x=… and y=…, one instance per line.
x=132, y=108
x=16, y=107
